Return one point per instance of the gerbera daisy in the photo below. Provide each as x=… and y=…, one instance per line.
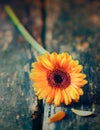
x=57, y=78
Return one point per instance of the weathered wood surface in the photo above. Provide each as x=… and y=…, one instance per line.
x=17, y=100
x=70, y=26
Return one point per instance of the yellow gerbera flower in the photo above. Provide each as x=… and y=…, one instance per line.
x=58, y=78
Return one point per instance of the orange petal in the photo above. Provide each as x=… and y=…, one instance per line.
x=50, y=96
x=59, y=59
x=57, y=99
x=57, y=117
x=36, y=72
x=53, y=58
x=68, y=66
x=38, y=85
x=40, y=80
x=41, y=92
x=39, y=66
x=41, y=85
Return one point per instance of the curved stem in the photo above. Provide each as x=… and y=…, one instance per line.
x=23, y=31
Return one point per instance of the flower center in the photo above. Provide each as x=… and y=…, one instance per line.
x=58, y=78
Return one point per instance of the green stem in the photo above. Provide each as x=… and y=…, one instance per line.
x=23, y=31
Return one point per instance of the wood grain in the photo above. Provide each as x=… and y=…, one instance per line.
x=71, y=26
x=17, y=99
x=68, y=29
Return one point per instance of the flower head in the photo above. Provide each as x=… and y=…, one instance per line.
x=57, y=78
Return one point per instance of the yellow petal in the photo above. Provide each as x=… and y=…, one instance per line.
x=77, y=69
x=73, y=63
x=65, y=97
x=80, y=83
x=47, y=64
x=63, y=62
x=78, y=75
x=46, y=55
x=42, y=94
x=72, y=93
x=62, y=99
x=82, y=113
x=68, y=95
x=78, y=80
x=76, y=92
x=57, y=117
x=80, y=91
x=59, y=58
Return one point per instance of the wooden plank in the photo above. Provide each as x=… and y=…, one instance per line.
x=64, y=32
x=17, y=100
x=69, y=28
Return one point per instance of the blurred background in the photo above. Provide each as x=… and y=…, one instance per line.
x=57, y=25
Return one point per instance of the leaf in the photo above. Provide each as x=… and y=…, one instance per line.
x=57, y=117
x=82, y=113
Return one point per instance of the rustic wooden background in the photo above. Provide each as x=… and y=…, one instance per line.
x=68, y=25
